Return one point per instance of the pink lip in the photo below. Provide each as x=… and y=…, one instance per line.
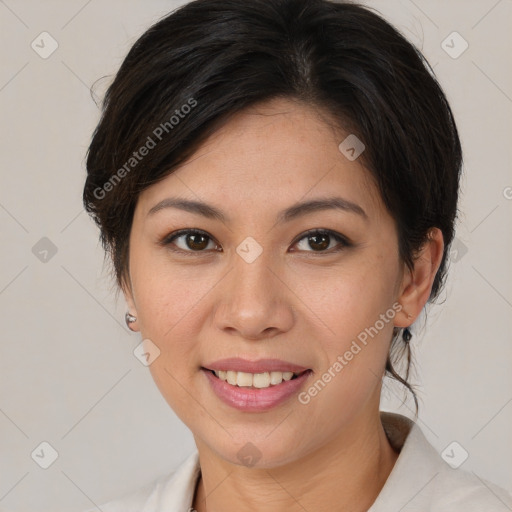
x=248, y=399
x=237, y=364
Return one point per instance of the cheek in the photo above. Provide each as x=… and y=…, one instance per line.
x=351, y=298
x=169, y=313
x=168, y=297
x=353, y=361
x=356, y=309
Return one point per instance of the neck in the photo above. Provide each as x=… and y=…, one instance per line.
x=346, y=473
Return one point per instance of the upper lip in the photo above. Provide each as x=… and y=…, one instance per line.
x=238, y=364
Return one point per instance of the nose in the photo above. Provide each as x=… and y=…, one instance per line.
x=254, y=301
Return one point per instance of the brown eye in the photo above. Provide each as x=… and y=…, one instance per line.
x=189, y=240
x=196, y=242
x=321, y=241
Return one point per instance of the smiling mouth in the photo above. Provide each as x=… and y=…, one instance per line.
x=255, y=380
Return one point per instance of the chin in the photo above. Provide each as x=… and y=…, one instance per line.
x=256, y=452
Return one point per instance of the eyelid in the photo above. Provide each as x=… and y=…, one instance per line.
x=341, y=239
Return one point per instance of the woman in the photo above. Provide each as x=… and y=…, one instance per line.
x=276, y=182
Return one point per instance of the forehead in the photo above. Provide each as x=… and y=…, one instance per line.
x=267, y=157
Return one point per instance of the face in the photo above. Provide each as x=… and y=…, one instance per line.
x=261, y=278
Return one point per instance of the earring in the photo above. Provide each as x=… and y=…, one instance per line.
x=406, y=334
x=129, y=319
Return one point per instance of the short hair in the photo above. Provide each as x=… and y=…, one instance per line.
x=218, y=57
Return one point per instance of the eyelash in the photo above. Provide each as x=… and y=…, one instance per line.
x=342, y=241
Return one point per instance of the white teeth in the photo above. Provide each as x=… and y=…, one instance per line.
x=261, y=380
x=257, y=380
x=276, y=378
x=243, y=379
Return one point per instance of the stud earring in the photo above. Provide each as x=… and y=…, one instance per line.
x=129, y=319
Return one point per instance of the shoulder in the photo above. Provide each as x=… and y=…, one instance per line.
x=458, y=490
x=421, y=480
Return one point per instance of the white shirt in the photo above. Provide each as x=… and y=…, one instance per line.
x=421, y=481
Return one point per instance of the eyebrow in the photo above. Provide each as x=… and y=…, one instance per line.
x=293, y=212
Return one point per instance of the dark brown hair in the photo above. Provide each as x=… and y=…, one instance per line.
x=191, y=71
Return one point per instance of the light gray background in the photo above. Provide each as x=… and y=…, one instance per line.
x=67, y=372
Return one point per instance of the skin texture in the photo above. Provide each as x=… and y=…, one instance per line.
x=291, y=303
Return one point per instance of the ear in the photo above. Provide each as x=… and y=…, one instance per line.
x=127, y=289
x=417, y=282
